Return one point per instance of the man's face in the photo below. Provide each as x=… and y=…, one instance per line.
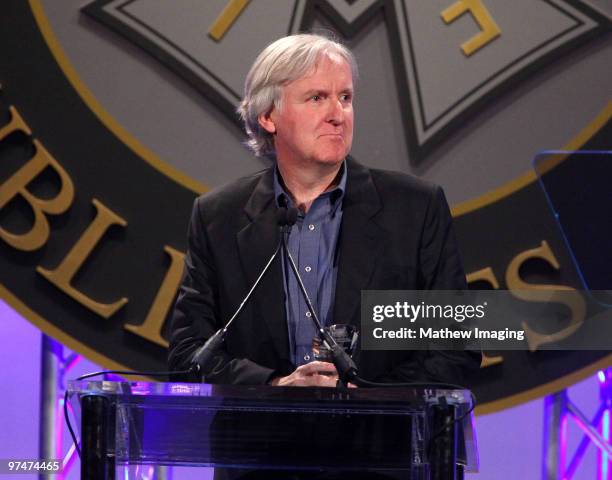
x=315, y=121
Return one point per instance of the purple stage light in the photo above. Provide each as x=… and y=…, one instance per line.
x=605, y=383
x=604, y=466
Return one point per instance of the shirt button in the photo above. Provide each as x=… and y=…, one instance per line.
x=308, y=314
x=311, y=227
x=308, y=269
x=307, y=357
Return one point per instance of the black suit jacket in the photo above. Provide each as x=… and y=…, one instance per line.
x=396, y=234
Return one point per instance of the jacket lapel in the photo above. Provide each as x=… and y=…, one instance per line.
x=256, y=243
x=360, y=244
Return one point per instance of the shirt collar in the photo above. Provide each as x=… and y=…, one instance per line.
x=336, y=194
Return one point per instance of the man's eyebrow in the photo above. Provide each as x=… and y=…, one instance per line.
x=313, y=91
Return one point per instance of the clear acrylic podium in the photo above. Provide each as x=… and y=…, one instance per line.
x=279, y=428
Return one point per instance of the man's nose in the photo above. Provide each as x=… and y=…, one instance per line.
x=335, y=115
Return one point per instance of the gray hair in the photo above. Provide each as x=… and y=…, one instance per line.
x=280, y=63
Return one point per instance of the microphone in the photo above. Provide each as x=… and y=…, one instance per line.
x=291, y=218
x=204, y=355
x=286, y=217
x=347, y=370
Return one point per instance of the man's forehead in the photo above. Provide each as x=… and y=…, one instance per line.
x=331, y=61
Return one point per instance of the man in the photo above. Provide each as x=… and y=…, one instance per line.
x=358, y=229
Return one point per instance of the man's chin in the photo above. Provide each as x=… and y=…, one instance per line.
x=332, y=158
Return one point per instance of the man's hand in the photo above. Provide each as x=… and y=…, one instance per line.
x=313, y=374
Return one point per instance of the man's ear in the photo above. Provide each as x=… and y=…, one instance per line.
x=266, y=122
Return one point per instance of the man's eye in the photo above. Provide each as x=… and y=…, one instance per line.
x=315, y=98
x=346, y=98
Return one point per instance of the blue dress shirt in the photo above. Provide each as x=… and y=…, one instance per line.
x=313, y=243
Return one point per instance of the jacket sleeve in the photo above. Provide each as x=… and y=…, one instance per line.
x=440, y=268
x=196, y=317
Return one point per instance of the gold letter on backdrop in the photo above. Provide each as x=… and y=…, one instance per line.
x=16, y=124
x=490, y=30
x=483, y=275
x=16, y=185
x=226, y=18
x=486, y=275
x=65, y=271
x=152, y=326
x=544, y=293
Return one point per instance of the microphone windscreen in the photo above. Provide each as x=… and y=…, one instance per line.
x=292, y=215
